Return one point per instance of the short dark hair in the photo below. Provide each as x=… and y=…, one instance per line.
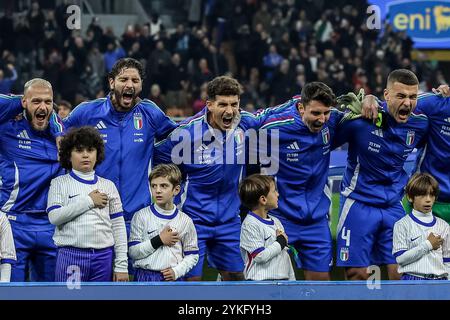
x=169, y=171
x=422, y=184
x=223, y=86
x=83, y=137
x=126, y=63
x=403, y=76
x=252, y=188
x=318, y=91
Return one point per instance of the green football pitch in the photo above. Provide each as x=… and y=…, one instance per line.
x=336, y=273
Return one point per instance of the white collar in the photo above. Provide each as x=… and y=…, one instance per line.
x=423, y=217
x=85, y=175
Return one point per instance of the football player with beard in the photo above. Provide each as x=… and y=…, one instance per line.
x=129, y=126
x=29, y=161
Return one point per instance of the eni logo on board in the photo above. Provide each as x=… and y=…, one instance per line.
x=421, y=19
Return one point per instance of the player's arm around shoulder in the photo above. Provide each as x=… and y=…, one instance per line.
x=10, y=107
x=431, y=104
x=156, y=119
x=76, y=116
x=260, y=118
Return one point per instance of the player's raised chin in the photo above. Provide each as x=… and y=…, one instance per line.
x=38, y=103
x=401, y=100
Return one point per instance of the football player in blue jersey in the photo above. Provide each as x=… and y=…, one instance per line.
x=29, y=162
x=210, y=149
x=305, y=132
x=374, y=179
x=432, y=158
x=129, y=126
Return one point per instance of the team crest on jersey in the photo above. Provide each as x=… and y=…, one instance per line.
x=137, y=120
x=239, y=136
x=410, y=137
x=326, y=135
x=344, y=254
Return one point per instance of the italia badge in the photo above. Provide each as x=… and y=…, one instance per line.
x=410, y=138
x=344, y=254
x=239, y=136
x=326, y=135
x=137, y=120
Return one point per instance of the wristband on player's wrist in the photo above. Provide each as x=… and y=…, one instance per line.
x=156, y=242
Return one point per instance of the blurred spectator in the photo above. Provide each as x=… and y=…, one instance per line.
x=135, y=51
x=128, y=37
x=158, y=64
x=263, y=17
x=282, y=87
x=52, y=69
x=96, y=61
x=176, y=83
x=7, y=32
x=324, y=41
x=90, y=83
x=36, y=20
x=96, y=29
x=217, y=61
x=202, y=74
x=179, y=42
x=194, y=12
x=69, y=80
x=64, y=108
x=157, y=97
x=146, y=41
x=200, y=101
x=79, y=52
x=155, y=24
x=7, y=82
x=113, y=53
x=284, y=45
x=271, y=61
x=323, y=28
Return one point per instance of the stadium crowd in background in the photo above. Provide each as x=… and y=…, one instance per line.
x=272, y=47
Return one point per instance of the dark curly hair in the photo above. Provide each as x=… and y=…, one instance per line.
x=83, y=137
x=223, y=86
x=126, y=63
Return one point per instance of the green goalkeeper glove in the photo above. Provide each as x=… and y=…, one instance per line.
x=351, y=104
